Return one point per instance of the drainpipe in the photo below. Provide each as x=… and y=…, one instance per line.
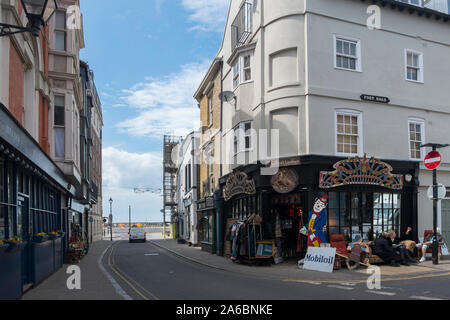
x=218, y=202
x=262, y=66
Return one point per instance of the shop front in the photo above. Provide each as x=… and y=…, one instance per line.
x=32, y=200
x=206, y=225
x=365, y=196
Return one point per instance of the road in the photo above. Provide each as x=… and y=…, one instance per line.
x=147, y=272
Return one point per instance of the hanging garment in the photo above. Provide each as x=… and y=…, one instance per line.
x=278, y=233
x=300, y=237
x=234, y=238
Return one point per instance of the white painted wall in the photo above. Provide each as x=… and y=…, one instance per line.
x=293, y=70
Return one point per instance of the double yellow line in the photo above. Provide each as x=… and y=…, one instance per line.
x=132, y=283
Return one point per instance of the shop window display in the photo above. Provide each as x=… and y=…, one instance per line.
x=363, y=215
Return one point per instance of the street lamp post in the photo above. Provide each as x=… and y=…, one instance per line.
x=38, y=13
x=110, y=217
x=434, y=147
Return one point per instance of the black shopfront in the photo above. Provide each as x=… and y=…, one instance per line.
x=32, y=201
x=365, y=197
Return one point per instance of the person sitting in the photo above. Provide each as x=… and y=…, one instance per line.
x=406, y=246
x=383, y=248
x=428, y=242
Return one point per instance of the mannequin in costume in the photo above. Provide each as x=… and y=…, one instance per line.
x=316, y=227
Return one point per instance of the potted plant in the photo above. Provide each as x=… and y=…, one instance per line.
x=40, y=237
x=3, y=246
x=14, y=243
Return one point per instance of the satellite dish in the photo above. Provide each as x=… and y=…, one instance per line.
x=227, y=96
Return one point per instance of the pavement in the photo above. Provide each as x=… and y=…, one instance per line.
x=289, y=270
x=95, y=284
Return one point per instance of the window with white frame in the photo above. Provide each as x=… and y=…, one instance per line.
x=347, y=53
x=243, y=137
x=242, y=69
x=416, y=138
x=59, y=115
x=348, y=132
x=414, y=65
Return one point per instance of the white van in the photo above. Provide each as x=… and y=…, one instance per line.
x=138, y=234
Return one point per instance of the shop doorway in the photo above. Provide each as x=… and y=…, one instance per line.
x=25, y=229
x=288, y=213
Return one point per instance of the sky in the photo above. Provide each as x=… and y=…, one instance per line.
x=149, y=57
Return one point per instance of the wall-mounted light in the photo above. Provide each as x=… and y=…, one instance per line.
x=408, y=178
x=38, y=13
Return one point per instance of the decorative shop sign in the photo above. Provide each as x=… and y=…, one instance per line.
x=320, y=259
x=285, y=180
x=238, y=183
x=205, y=204
x=367, y=97
x=361, y=171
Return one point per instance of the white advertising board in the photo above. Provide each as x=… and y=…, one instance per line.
x=320, y=259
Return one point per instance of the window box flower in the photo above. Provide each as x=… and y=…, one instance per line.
x=53, y=235
x=14, y=244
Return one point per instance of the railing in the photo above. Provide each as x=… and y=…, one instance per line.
x=242, y=25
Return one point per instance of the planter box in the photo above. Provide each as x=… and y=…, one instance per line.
x=40, y=239
x=11, y=273
x=3, y=248
x=58, y=253
x=43, y=261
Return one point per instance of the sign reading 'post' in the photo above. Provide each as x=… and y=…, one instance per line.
x=320, y=259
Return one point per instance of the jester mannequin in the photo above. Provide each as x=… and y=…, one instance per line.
x=317, y=218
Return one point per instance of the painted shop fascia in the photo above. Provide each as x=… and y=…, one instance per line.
x=35, y=197
x=291, y=193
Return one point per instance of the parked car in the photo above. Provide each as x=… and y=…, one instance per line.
x=137, y=234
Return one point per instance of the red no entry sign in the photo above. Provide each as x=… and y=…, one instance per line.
x=432, y=160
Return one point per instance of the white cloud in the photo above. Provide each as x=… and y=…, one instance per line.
x=122, y=169
x=166, y=104
x=122, y=172
x=207, y=15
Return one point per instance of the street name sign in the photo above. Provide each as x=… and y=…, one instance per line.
x=432, y=160
x=320, y=259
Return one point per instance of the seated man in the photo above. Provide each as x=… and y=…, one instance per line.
x=428, y=242
x=406, y=242
x=384, y=249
